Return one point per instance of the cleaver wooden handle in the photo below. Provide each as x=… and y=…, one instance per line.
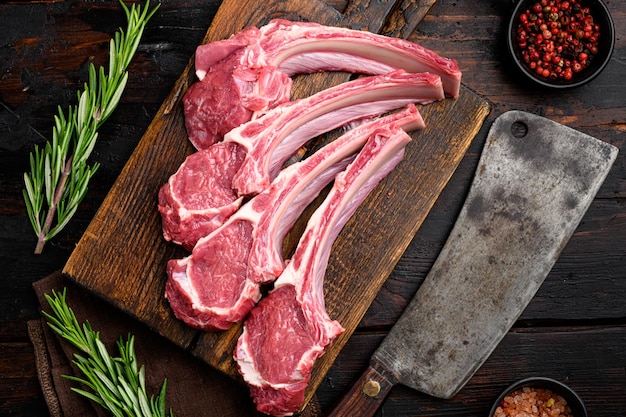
x=366, y=395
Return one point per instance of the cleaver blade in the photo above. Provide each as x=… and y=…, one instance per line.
x=534, y=181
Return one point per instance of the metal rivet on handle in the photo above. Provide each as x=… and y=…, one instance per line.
x=371, y=388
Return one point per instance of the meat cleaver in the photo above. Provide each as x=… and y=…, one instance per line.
x=534, y=181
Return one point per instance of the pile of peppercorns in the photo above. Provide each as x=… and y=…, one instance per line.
x=557, y=38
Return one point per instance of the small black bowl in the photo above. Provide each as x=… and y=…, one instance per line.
x=606, y=45
x=573, y=400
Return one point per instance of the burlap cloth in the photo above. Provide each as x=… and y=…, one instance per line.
x=193, y=388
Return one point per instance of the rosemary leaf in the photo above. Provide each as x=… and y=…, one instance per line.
x=131, y=400
x=143, y=403
x=59, y=174
x=47, y=171
x=159, y=403
x=89, y=396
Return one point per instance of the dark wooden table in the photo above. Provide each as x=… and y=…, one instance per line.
x=574, y=330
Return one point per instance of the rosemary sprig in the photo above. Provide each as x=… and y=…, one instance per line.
x=115, y=383
x=59, y=173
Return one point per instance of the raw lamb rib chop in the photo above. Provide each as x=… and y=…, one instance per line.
x=220, y=281
x=198, y=198
x=250, y=72
x=290, y=328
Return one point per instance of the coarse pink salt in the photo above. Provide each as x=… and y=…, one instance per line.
x=533, y=402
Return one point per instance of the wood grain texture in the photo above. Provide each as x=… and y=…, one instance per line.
x=122, y=254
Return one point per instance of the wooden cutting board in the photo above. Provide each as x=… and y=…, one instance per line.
x=122, y=255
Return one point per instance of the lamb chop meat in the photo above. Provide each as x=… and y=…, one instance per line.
x=290, y=328
x=199, y=197
x=188, y=208
x=220, y=281
x=250, y=72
